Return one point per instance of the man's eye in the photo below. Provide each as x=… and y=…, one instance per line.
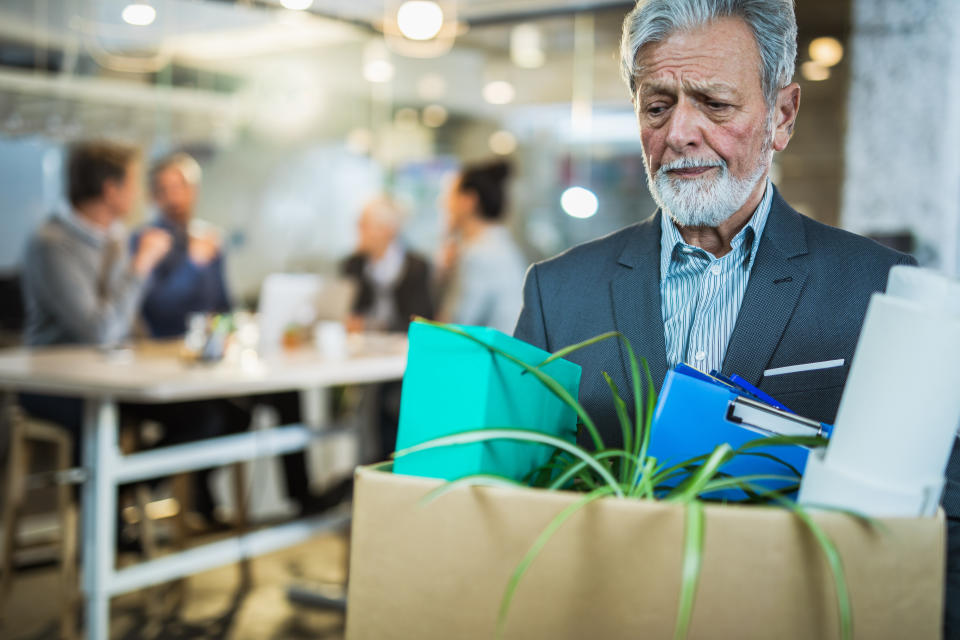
x=656, y=110
x=716, y=106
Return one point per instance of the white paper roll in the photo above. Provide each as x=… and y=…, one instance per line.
x=925, y=287
x=901, y=406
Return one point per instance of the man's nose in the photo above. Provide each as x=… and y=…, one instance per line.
x=683, y=129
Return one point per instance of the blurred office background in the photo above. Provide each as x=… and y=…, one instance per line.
x=300, y=110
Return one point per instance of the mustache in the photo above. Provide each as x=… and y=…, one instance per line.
x=691, y=163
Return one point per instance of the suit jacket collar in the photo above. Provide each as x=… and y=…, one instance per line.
x=777, y=279
x=635, y=293
x=775, y=285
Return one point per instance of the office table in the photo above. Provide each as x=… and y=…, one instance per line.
x=154, y=373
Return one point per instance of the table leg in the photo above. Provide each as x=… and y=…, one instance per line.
x=100, y=427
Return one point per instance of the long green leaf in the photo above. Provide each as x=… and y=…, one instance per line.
x=833, y=561
x=537, y=547
x=563, y=353
x=781, y=441
x=552, y=385
x=579, y=466
x=474, y=480
x=524, y=435
x=625, y=427
x=651, y=405
x=693, y=486
x=737, y=482
x=692, y=561
x=645, y=487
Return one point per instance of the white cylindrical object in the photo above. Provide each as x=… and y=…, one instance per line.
x=901, y=405
x=925, y=287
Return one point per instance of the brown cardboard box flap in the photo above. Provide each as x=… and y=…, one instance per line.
x=438, y=571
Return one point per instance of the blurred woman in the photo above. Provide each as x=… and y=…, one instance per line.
x=482, y=266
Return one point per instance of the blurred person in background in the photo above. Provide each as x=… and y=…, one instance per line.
x=481, y=266
x=80, y=284
x=393, y=285
x=393, y=282
x=190, y=277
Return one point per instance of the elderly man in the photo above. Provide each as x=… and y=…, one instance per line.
x=725, y=275
x=393, y=283
x=190, y=279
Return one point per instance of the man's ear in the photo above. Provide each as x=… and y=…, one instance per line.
x=785, y=115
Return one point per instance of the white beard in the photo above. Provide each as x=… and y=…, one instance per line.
x=701, y=202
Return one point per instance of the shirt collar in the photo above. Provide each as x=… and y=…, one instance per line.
x=671, y=241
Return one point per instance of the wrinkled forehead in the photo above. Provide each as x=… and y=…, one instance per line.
x=720, y=57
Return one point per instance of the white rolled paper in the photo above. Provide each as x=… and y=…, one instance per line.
x=900, y=409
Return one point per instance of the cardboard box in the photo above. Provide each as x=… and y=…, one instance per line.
x=453, y=384
x=438, y=571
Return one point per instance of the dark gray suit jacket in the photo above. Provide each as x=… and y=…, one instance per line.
x=805, y=303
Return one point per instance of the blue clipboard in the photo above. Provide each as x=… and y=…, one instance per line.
x=697, y=412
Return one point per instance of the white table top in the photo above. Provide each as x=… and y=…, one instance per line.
x=155, y=372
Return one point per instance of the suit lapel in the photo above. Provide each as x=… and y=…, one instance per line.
x=635, y=290
x=771, y=296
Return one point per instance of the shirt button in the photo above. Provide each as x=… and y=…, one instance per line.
x=715, y=269
x=701, y=356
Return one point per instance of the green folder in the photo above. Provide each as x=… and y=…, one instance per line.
x=453, y=384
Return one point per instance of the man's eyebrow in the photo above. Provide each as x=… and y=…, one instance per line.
x=704, y=88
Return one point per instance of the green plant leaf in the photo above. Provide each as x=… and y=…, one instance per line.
x=579, y=466
x=537, y=547
x=524, y=435
x=549, y=382
x=563, y=353
x=474, y=480
x=651, y=406
x=625, y=427
x=693, y=486
x=739, y=482
x=833, y=561
x=694, y=530
x=780, y=441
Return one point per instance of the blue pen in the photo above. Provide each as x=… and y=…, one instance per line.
x=746, y=386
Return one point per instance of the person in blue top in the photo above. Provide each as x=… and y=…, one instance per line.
x=190, y=278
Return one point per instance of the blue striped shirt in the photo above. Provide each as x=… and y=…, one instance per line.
x=701, y=294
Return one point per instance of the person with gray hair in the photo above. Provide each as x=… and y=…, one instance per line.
x=191, y=277
x=725, y=276
x=393, y=282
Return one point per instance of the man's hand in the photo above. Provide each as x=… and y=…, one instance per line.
x=153, y=246
x=203, y=248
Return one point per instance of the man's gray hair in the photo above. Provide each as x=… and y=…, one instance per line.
x=386, y=210
x=772, y=22
x=183, y=162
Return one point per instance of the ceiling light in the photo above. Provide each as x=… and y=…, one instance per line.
x=139, y=14
x=503, y=143
x=826, y=51
x=578, y=202
x=434, y=116
x=814, y=71
x=420, y=19
x=526, y=50
x=376, y=62
x=499, y=92
x=297, y=5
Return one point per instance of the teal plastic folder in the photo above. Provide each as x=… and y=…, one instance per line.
x=452, y=384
